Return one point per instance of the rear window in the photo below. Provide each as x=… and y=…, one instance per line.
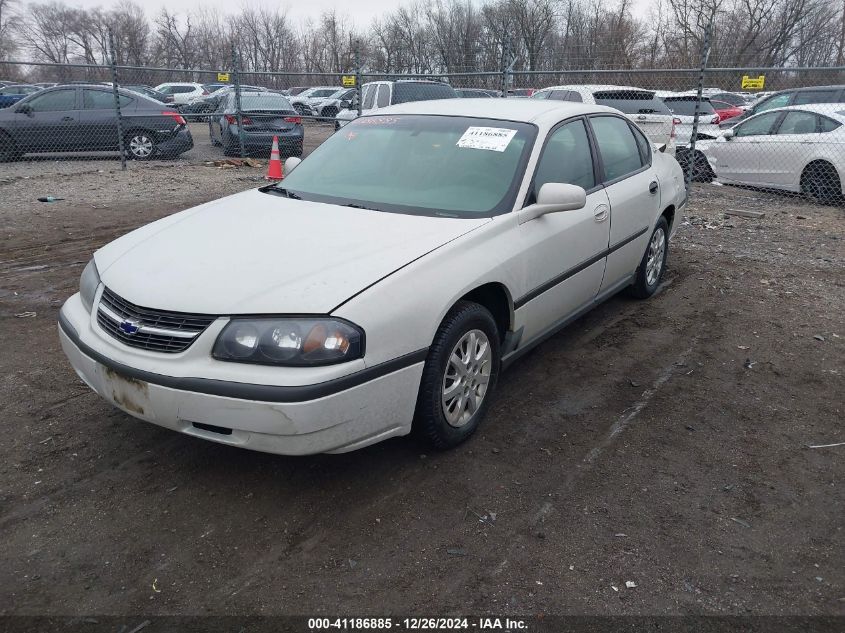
x=406, y=92
x=631, y=101
x=815, y=96
x=264, y=102
x=686, y=106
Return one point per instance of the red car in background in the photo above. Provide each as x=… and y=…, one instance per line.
x=725, y=110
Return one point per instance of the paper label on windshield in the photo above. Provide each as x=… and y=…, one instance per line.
x=495, y=139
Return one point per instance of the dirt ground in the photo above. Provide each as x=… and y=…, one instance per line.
x=663, y=443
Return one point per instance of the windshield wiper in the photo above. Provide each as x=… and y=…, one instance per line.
x=360, y=206
x=285, y=192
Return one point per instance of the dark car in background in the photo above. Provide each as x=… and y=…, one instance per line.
x=263, y=116
x=793, y=97
x=82, y=118
x=11, y=94
x=475, y=93
x=210, y=103
x=147, y=91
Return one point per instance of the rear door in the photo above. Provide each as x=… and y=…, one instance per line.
x=98, y=118
x=632, y=190
x=787, y=148
x=51, y=123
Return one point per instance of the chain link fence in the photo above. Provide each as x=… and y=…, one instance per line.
x=785, y=135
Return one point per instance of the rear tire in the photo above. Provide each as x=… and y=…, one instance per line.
x=820, y=182
x=329, y=113
x=459, y=376
x=140, y=145
x=653, y=263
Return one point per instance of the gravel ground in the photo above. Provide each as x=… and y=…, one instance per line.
x=663, y=443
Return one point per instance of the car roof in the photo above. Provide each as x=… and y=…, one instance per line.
x=524, y=110
x=595, y=87
x=832, y=110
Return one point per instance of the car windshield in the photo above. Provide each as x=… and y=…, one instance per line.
x=323, y=92
x=685, y=106
x=424, y=165
x=405, y=92
x=631, y=101
x=251, y=101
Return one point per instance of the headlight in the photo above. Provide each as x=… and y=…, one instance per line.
x=289, y=341
x=88, y=283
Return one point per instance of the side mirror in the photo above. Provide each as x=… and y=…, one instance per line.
x=553, y=198
x=25, y=109
x=345, y=105
x=728, y=134
x=291, y=163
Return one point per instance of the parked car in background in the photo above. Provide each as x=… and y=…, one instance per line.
x=13, y=93
x=725, y=110
x=795, y=96
x=212, y=87
x=380, y=94
x=82, y=118
x=296, y=90
x=263, y=116
x=521, y=93
x=384, y=284
x=182, y=92
x=475, y=93
x=682, y=106
x=330, y=106
x=640, y=106
x=738, y=100
x=798, y=148
x=311, y=100
x=150, y=93
x=209, y=103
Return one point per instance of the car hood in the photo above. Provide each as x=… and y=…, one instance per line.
x=255, y=252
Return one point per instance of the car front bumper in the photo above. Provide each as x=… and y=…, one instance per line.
x=342, y=420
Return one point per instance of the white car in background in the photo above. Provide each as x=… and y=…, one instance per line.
x=384, y=283
x=310, y=100
x=382, y=94
x=799, y=149
x=640, y=106
x=183, y=92
x=682, y=106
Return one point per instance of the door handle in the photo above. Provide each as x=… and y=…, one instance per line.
x=67, y=118
x=652, y=188
x=601, y=213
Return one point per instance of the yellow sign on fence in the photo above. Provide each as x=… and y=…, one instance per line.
x=222, y=76
x=348, y=81
x=753, y=83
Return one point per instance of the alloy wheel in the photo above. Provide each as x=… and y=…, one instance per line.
x=141, y=146
x=466, y=378
x=654, y=262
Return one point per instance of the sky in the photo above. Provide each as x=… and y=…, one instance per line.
x=361, y=11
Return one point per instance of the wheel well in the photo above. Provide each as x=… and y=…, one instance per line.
x=496, y=298
x=669, y=214
x=818, y=163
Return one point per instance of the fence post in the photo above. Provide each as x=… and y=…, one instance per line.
x=506, y=63
x=705, y=54
x=358, y=90
x=114, y=84
x=238, y=114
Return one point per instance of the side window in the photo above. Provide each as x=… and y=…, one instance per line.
x=559, y=95
x=618, y=148
x=827, y=125
x=182, y=89
x=566, y=158
x=814, y=96
x=778, y=101
x=54, y=101
x=102, y=100
x=643, y=144
x=757, y=126
x=543, y=94
x=575, y=96
x=383, y=99
x=369, y=97
x=798, y=123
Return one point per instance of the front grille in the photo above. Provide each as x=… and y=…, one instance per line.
x=156, y=330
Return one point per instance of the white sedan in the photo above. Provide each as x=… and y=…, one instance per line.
x=799, y=149
x=381, y=286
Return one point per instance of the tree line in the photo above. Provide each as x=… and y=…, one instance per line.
x=443, y=36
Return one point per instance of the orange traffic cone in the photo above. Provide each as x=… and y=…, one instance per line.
x=274, y=168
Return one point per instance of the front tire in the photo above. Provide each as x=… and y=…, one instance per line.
x=8, y=150
x=459, y=376
x=820, y=182
x=653, y=263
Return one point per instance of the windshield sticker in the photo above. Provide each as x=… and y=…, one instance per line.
x=495, y=139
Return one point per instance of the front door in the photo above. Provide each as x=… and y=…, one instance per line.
x=563, y=253
x=738, y=159
x=49, y=123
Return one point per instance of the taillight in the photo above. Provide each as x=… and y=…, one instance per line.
x=177, y=118
x=675, y=121
x=233, y=120
x=293, y=119
x=715, y=119
x=205, y=93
